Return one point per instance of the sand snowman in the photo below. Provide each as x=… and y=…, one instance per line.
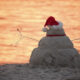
x=55, y=48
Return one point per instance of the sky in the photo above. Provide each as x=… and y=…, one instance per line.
x=21, y=22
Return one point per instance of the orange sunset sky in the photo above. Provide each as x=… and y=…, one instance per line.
x=29, y=17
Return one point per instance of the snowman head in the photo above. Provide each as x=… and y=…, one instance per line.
x=51, y=23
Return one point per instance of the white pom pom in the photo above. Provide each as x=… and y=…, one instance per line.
x=44, y=29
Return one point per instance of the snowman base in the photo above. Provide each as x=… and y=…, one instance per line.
x=55, y=51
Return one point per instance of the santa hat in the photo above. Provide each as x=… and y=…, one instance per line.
x=53, y=23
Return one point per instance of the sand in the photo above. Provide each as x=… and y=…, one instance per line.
x=30, y=16
x=27, y=72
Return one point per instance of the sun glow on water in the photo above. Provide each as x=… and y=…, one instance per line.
x=29, y=16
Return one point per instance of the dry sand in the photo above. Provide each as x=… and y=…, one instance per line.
x=30, y=16
x=27, y=72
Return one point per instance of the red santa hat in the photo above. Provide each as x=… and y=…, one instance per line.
x=53, y=23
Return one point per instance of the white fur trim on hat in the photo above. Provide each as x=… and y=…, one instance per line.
x=54, y=27
x=44, y=29
x=60, y=25
x=57, y=26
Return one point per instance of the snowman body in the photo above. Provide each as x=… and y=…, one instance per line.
x=55, y=32
x=54, y=49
